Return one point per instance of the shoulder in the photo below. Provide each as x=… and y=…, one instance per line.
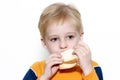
x=94, y=63
x=98, y=70
x=38, y=67
x=38, y=64
x=35, y=71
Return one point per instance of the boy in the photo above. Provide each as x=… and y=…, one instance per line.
x=61, y=29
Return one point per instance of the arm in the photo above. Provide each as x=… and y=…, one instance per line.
x=95, y=74
x=98, y=71
x=30, y=75
x=89, y=71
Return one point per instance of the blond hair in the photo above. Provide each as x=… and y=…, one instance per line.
x=59, y=12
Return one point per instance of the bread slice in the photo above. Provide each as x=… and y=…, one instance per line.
x=70, y=60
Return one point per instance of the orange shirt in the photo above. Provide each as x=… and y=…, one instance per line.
x=70, y=74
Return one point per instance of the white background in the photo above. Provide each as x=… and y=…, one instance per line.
x=20, y=44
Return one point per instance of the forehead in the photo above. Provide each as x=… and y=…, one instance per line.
x=61, y=27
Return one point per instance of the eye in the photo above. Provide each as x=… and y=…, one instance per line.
x=53, y=39
x=70, y=36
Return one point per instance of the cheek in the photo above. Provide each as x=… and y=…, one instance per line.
x=73, y=43
x=53, y=48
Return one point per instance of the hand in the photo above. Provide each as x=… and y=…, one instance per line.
x=52, y=65
x=84, y=54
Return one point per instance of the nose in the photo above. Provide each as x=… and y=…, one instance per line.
x=63, y=44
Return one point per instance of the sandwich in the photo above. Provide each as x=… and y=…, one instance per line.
x=69, y=59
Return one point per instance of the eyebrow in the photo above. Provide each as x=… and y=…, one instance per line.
x=71, y=33
x=57, y=35
x=51, y=36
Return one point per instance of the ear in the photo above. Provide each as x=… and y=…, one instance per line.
x=43, y=43
x=81, y=35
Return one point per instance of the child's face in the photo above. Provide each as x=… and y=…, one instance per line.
x=60, y=37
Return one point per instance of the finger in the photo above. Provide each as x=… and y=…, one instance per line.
x=54, y=62
x=54, y=59
x=81, y=43
x=55, y=55
x=81, y=48
x=79, y=52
